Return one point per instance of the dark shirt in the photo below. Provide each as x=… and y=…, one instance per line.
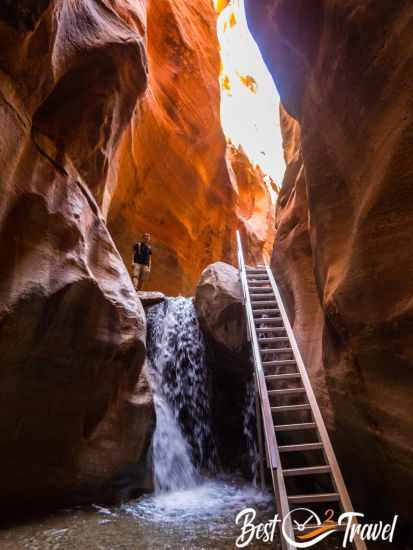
x=142, y=253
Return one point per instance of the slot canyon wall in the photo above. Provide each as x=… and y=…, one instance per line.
x=175, y=175
x=342, y=254
x=72, y=333
x=109, y=127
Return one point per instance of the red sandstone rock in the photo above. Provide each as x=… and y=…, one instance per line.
x=74, y=422
x=344, y=217
x=218, y=302
x=219, y=305
x=174, y=178
x=150, y=298
x=292, y=263
x=72, y=81
x=255, y=206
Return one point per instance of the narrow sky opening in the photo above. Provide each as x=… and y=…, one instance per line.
x=249, y=98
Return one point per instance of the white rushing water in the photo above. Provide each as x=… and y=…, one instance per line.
x=250, y=432
x=183, y=446
x=194, y=505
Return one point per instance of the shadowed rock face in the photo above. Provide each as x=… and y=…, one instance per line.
x=218, y=302
x=342, y=253
x=75, y=417
x=174, y=178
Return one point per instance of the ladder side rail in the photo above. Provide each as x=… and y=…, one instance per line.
x=273, y=455
x=322, y=430
x=262, y=387
x=262, y=448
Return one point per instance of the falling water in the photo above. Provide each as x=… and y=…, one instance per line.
x=250, y=431
x=183, y=445
x=188, y=509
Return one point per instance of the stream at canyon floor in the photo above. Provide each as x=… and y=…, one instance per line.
x=193, y=506
x=191, y=519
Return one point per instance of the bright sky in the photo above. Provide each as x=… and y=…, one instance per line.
x=248, y=118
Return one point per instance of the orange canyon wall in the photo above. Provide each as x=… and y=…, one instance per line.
x=109, y=127
x=76, y=413
x=174, y=176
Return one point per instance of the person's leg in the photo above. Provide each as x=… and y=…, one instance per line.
x=141, y=277
x=135, y=276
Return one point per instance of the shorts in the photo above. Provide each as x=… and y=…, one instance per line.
x=140, y=268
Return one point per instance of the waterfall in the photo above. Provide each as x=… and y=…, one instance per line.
x=183, y=446
x=250, y=431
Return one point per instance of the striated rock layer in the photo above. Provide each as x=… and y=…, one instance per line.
x=344, y=217
x=76, y=414
x=173, y=177
x=88, y=134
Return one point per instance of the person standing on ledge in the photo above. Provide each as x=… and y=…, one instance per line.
x=141, y=262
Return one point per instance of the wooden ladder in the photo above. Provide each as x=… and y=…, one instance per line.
x=287, y=408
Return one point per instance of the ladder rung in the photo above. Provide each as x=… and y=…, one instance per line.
x=264, y=303
x=300, y=447
x=277, y=363
x=294, y=427
x=286, y=391
x=262, y=312
x=269, y=320
x=317, y=497
x=311, y=470
x=264, y=330
x=260, y=294
x=276, y=350
x=257, y=276
x=256, y=270
x=286, y=376
x=271, y=340
x=287, y=408
x=260, y=289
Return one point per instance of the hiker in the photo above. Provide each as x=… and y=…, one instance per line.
x=141, y=262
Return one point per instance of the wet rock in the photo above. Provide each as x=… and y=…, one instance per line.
x=149, y=298
x=218, y=302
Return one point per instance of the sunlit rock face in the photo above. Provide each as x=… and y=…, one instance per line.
x=255, y=206
x=76, y=413
x=173, y=177
x=343, y=245
x=218, y=301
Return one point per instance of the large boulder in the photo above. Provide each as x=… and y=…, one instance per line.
x=343, y=247
x=219, y=303
x=76, y=414
x=219, y=306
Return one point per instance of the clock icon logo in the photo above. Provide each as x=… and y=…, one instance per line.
x=307, y=526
